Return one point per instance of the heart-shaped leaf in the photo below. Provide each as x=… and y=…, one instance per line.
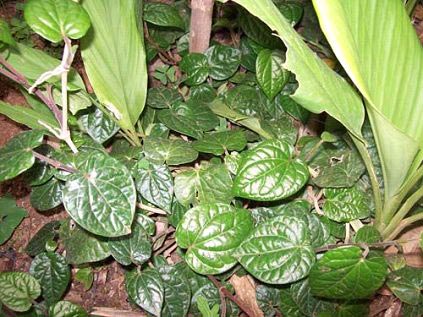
x=67, y=309
x=407, y=284
x=278, y=251
x=98, y=125
x=101, y=196
x=367, y=234
x=268, y=172
x=47, y=196
x=163, y=14
x=146, y=289
x=271, y=76
x=346, y=204
x=53, y=274
x=196, y=66
x=38, y=242
x=162, y=97
x=173, y=152
x=223, y=61
x=10, y=217
x=220, y=142
x=55, y=19
x=291, y=11
x=345, y=274
x=18, y=290
x=16, y=156
x=211, y=233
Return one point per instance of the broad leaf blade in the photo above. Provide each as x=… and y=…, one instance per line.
x=18, y=290
x=10, y=217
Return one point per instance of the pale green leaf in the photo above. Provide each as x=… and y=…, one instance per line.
x=67, y=309
x=18, y=290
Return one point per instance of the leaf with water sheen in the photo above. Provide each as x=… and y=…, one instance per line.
x=171, y=151
x=211, y=233
x=345, y=204
x=196, y=66
x=220, y=142
x=98, y=125
x=18, y=290
x=163, y=14
x=223, y=61
x=10, y=217
x=47, y=196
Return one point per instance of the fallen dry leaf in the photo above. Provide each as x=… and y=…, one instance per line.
x=246, y=292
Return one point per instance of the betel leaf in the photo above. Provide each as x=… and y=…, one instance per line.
x=407, y=284
x=345, y=204
x=48, y=232
x=133, y=248
x=101, y=196
x=171, y=151
x=98, y=125
x=10, y=217
x=55, y=19
x=218, y=143
x=67, y=309
x=16, y=156
x=82, y=246
x=85, y=276
x=271, y=76
x=268, y=172
x=48, y=195
x=146, y=289
x=162, y=97
x=278, y=251
x=196, y=66
x=344, y=273
x=207, y=184
x=268, y=299
x=53, y=274
x=163, y=14
x=288, y=305
x=211, y=233
x=155, y=183
x=18, y=290
x=190, y=118
x=5, y=35
x=223, y=61
x=203, y=93
x=367, y=234
x=293, y=12
x=114, y=58
x=177, y=293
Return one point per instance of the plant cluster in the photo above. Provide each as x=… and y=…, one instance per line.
x=211, y=174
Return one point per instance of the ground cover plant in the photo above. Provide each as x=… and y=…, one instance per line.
x=193, y=154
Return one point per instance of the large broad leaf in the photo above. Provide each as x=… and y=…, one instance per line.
x=98, y=125
x=269, y=172
x=223, y=61
x=345, y=273
x=18, y=290
x=173, y=152
x=407, y=284
x=54, y=19
x=211, y=233
x=278, y=251
x=114, y=58
x=53, y=273
x=320, y=89
x=394, y=95
x=163, y=14
x=220, y=142
x=101, y=196
x=67, y=309
x=48, y=195
x=16, y=156
x=10, y=217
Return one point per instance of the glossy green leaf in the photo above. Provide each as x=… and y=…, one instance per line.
x=146, y=289
x=190, y=118
x=155, y=183
x=85, y=276
x=218, y=143
x=293, y=12
x=10, y=217
x=114, y=58
x=41, y=172
x=134, y=248
x=343, y=309
x=53, y=274
x=48, y=195
x=268, y=172
x=278, y=251
x=223, y=61
x=98, y=125
x=206, y=184
x=407, y=284
x=16, y=156
x=55, y=19
x=162, y=97
x=196, y=67
x=345, y=204
x=67, y=309
x=203, y=93
x=206, y=311
x=163, y=14
x=293, y=108
x=177, y=293
x=48, y=232
x=211, y=233
x=5, y=34
x=268, y=299
x=271, y=76
x=18, y=290
x=288, y=306
x=101, y=196
x=173, y=151
x=82, y=246
x=344, y=273
x=367, y=234
x=412, y=310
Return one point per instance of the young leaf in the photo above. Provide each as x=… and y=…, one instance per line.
x=407, y=284
x=211, y=233
x=67, y=309
x=145, y=289
x=173, y=152
x=18, y=290
x=48, y=195
x=162, y=97
x=85, y=276
x=344, y=273
x=16, y=156
x=268, y=172
x=38, y=242
x=220, y=142
x=203, y=307
x=10, y=217
x=223, y=61
x=163, y=14
x=367, y=234
x=278, y=251
x=98, y=125
x=53, y=274
x=101, y=196
x=5, y=35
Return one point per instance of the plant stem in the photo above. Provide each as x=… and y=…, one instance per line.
x=54, y=163
x=201, y=25
x=151, y=209
x=405, y=223
x=361, y=245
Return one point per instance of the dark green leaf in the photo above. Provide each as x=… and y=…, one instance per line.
x=173, y=152
x=412, y=310
x=268, y=172
x=47, y=196
x=293, y=108
x=292, y=12
x=344, y=273
x=98, y=125
x=178, y=211
x=407, y=284
x=18, y=290
x=146, y=289
x=268, y=299
x=196, y=66
x=223, y=61
x=211, y=233
x=163, y=14
x=248, y=54
x=38, y=242
x=202, y=93
x=367, y=234
x=220, y=142
x=67, y=309
x=53, y=274
x=162, y=97
x=348, y=309
x=10, y=217
x=288, y=306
